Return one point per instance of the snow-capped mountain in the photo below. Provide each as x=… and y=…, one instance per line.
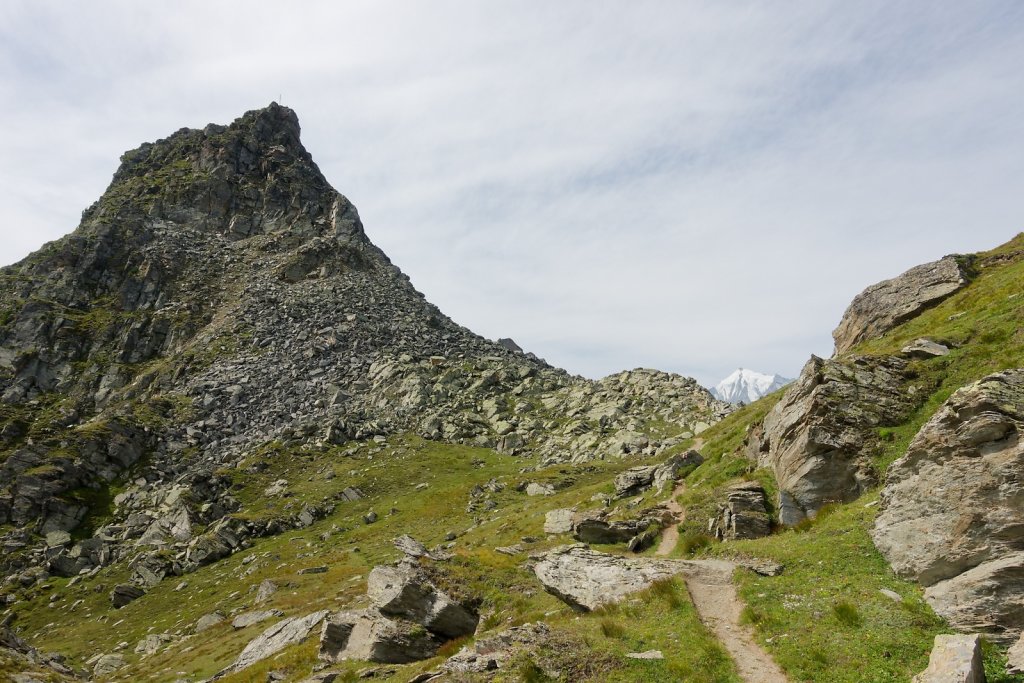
x=746, y=386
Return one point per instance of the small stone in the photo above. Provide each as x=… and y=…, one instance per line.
x=924, y=348
x=208, y=621
x=649, y=654
x=892, y=595
x=322, y=569
x=125, y=593
x=370, y=517
x=535, y=489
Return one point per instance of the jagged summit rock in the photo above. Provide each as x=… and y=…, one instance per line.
x=250, y=177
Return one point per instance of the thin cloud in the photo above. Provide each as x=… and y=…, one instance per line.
x=686, y=185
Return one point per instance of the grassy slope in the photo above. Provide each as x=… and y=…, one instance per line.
x=389, y=476
x=825, y=619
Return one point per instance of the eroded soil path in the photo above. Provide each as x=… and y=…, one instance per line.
x=718, y=605
x=719, y=608
x=670, y=534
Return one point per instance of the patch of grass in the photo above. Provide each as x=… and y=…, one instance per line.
x=994, y=660
x=692, y=543
x=847, y=614
x=612, y=629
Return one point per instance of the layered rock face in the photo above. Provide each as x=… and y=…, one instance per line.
x=815, y=438
x=952, y=514
x=883, y=306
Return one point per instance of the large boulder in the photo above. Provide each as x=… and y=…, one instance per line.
x=371, y=636
x=108, y=664
x=406, y=592
x=814, y=439
x=559, y=521
x=597, y=528
x=952, y=510
x=883, y=306
x=125, y=593
x=638, y=479
x=586, y=579
x=954, y=659
x=744, y=514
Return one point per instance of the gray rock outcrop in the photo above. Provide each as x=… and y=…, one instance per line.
x=743, y=514
x=410, y=618
x=595, y=527
x=815, y=440
x=638, y=479
x=952, y=510
x=883, y=306
x=404, y=591
x=559, y=521
x=108, y=664
x=586, y=579
x=279, y=636
x=125, y=593
x=954, y=659
x=371, y=636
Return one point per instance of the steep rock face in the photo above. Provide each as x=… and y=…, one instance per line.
x=883, y=306
x=815, y=438
x=952, y=514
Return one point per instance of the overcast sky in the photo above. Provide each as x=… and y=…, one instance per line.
x=692, y=186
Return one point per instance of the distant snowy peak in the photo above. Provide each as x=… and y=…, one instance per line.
x=746, y=386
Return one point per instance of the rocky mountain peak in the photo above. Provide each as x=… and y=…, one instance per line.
x=248, y=178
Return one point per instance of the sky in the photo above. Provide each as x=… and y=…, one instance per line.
x=688, y=185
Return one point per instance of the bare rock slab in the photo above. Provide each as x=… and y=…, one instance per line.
x=586, y=579
x=276, y=638
x=954, y=659
x=371, y=636
x=638, y=479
